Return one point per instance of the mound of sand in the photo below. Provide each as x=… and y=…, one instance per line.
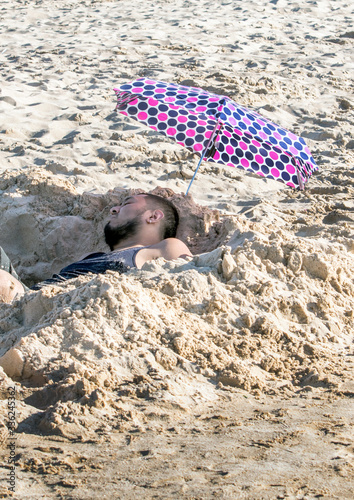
x=263, y=311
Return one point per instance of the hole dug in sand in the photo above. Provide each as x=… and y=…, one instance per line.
x=254, y=311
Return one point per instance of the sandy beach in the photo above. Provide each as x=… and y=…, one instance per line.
x=228, y=375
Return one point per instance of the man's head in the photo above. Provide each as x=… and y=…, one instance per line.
x=143, y=218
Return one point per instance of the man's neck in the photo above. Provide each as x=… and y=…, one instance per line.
x=141, y=241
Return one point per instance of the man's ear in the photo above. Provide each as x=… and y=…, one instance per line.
x=156, y=216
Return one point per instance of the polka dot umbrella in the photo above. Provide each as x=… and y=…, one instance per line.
x=218, y=129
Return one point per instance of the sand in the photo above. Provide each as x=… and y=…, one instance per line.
x=227, y=375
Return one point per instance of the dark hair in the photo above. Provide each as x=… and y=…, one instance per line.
x=171, y=218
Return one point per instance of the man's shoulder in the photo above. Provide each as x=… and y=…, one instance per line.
x=169, y=249
x=170, y=243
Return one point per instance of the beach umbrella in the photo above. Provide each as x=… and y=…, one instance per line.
x=218, y=130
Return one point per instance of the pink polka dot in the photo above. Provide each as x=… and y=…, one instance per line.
x=290, y=184
x=124, y=113
x=201, y=109
x=227, y=133
x=191, y=99
x=152, y=126
x=198, y=147
x=256, y=143
x=232, y=121
x=238, y=132
x=182, y=119
x=230, y=150
x=171, y=131
x=277, y=136
x=153, y=102
x=142, y=115
x=208, y=134
x=170, y=99
x=190, y=133
x=260, y=173
x=230, y=165
x=243, y=145
x=290, y=169
x=160, y=91
x=152, y=82
x=259, y=159
x=262, y=135
x=181, y=143
x=292, y=136
x=273, y=155
x=293, y=150
x=260, y=122
x=137, y=90
x=173, y=106
x=232, y=107
x=213, y=99
x=162, y=117
x=202, y=122
x=275, y=172
x=216, y=155
x=247, y=121
x=245, y=163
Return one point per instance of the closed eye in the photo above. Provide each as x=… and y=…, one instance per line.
x=127, y=202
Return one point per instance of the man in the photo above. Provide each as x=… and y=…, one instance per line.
x=143, y=228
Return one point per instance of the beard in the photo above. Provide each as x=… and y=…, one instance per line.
x=115, y=235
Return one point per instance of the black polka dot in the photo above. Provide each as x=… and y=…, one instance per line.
x=235, y=160
x=224, y=139
x=143, y=105
x=239, y=152
x=132, y=110
x=225, y=157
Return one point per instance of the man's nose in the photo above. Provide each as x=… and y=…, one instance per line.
x=115, y=210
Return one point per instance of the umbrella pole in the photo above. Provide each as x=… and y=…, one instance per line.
x=196, y=170
x=212, y=139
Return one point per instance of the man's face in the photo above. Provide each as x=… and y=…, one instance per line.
x=125, y=220
x=131, y=207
